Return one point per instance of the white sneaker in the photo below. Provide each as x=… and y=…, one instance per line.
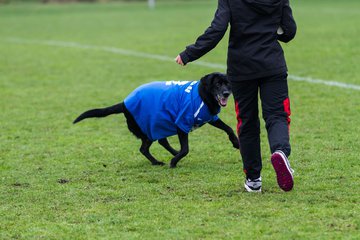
x=253, y=185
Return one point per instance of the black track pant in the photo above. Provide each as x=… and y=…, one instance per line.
x=276, y=113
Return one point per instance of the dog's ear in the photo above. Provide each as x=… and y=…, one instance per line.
x=208, y=79
x=204, y=80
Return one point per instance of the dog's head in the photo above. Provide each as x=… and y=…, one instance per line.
x=217, y=86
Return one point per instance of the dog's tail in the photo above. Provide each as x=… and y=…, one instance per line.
x=101, y=112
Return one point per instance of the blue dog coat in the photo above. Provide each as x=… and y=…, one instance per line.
x=160, y=107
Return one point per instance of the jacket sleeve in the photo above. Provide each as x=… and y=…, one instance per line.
x=288, y=24
x=211, y=37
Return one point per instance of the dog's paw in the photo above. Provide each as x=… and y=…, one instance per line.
x=158, y=163
x=235, y=142
x=172, y=165
x=236, y=145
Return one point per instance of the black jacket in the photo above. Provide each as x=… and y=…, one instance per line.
x=254, y=50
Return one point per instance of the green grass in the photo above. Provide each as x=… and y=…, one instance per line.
x=114, y=193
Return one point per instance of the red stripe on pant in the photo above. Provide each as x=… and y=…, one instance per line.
x=287, y=109
x=239, y=123
x=239, y=120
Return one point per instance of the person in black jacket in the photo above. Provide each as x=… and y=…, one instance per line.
x=255, y=63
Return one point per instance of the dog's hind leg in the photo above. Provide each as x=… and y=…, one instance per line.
x=184, y=143
x=144, y=149
x=164, y=142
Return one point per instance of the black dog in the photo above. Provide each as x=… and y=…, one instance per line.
x=158, y=110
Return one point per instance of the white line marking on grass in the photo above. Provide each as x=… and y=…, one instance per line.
x=324, y=82
x=166, y=59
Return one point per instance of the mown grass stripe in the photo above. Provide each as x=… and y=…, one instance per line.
x=166, y=58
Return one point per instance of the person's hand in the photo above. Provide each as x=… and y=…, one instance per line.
x=179, y=61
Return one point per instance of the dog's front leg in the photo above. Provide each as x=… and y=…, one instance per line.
x=184, y=148
x=145, y=150
x=230, y=132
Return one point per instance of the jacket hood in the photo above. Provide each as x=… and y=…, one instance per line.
x=264, y=7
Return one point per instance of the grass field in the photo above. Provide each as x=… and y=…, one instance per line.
x=88, y=181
